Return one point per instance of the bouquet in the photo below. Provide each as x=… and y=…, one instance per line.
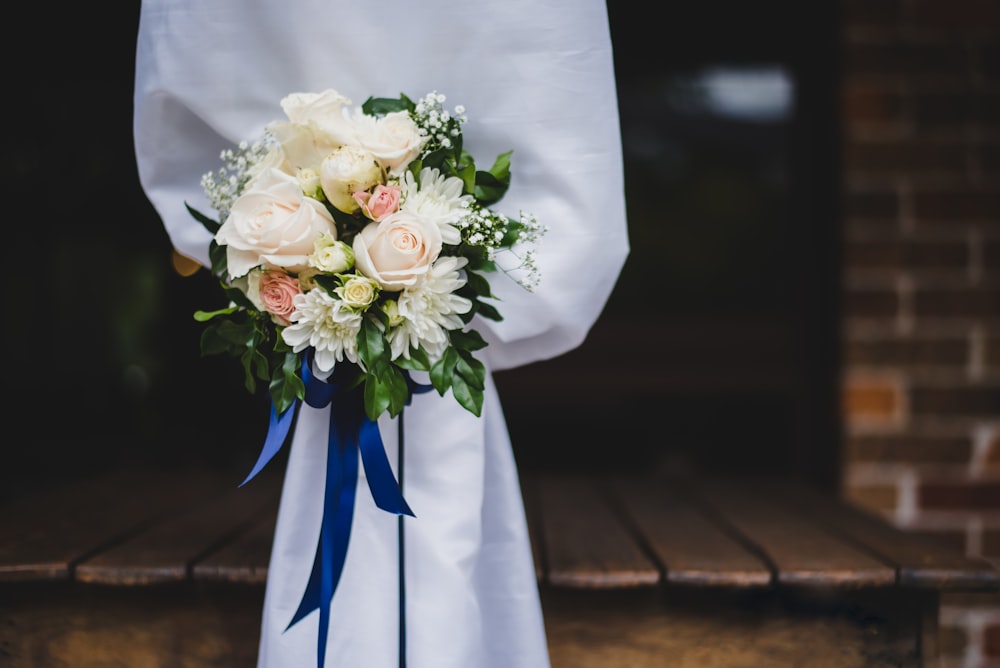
x=360, y=239
x=353, y=246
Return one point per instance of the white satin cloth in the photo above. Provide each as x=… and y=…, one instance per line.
x=535, y=76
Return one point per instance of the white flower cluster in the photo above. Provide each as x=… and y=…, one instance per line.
x=224, y=185
x=436, y=123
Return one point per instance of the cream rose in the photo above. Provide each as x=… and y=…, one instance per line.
x=358, y=292
x=273, y=225
x=394, y=138
x=397, y=251
x=345, y=171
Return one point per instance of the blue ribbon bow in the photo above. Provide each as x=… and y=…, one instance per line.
x=351, y=433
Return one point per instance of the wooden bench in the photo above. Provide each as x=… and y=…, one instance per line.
x=142, y=568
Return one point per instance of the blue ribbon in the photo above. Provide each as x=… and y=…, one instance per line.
x=351, y=433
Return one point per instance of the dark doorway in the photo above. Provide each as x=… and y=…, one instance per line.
x=717, y=350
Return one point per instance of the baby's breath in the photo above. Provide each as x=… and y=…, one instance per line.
x=483, y=227
x=439, y=125
x=524, y=270
x=224, y=185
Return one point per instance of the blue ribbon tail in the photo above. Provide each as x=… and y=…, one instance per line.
x=277, y=432
x=335, y=530
x=384, y=487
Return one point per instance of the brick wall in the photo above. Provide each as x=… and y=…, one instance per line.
x=920, y=109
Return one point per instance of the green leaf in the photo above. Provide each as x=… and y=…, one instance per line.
x=379, y=106
x=372, y=349
x=478, y=284
x=385, y=390
x=501, y=167
x=470, y=370
x=470, y=398
x=467, y=339
x=210, y=224
x=492, y=185
x=418, y=360
x=488, y=311
x=219, y=259
x=286, y=385
x=443, y=370
x=205, y=316
x=467, y=172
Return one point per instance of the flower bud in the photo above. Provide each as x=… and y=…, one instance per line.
x=331, y=255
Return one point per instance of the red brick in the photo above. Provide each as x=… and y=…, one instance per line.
x=918, y=60
x=991, y=544
x=899, y=254
x=956, y=401
x=903, y=157
x=959, y=495
x=870, y=103
x=878, y=498
x=991, y=640
x=970, y=15
x=949, y=108
x=991, y=255
x=967, y=303
x=872, y=204
x=993, y=451
x=870, y=303
x=871, y=400
x=957, y=204
x=909, y=449
x=993, y=351
x=868, y=13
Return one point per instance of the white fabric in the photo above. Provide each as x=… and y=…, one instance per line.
x=535, y=76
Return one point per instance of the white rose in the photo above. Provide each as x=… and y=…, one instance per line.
x=347, y=170
x=325, y=110
x=275, y=159
x=317, y=124
x=394, y=138
x=273, y=225
x=397, y=251
x=331, y=255
x=303, y=144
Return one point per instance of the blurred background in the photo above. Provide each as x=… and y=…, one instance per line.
x=814, y=200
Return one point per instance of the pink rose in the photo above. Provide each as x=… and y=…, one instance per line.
x=397, y=251
x=384, y=200
x=276, y=291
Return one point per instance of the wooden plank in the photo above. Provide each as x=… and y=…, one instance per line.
x=800, y=552
x=244, y=559
x=919, y=562
x=165, y=552
x=42, y=537
x=585, y=543
x=693, y=549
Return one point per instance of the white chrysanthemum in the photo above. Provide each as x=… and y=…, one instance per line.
x=429, y=309
x=325, y=324
x=437, y=198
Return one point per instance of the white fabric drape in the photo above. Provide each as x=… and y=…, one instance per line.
x=535, y=76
